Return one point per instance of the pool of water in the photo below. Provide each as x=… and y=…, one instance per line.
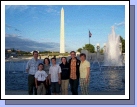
x=102, y=78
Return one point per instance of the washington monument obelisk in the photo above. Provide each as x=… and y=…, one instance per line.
x=62, y=36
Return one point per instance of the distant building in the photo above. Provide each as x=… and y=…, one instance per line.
x=8, y=50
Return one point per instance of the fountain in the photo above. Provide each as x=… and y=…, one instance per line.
x=112, y=50
x=96, y=63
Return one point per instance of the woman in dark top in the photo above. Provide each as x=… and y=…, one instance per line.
x=65, y=74
x=46, y=69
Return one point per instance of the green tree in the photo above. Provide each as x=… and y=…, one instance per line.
x=123, y=44
x=89, y=47
x=79, y=50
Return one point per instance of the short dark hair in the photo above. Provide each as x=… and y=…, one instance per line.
x=65, y=58
x=47, y=59
x=72, y=52
x=82, y=54
x=53, y=58
x=35, y=52
x=41, y=64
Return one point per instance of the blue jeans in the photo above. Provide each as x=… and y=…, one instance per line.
x=74, y=86
x=55, y=87
x=48, y=90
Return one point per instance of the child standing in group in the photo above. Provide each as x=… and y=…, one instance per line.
x=65, y=74
x=55, y=77
x=41, y=80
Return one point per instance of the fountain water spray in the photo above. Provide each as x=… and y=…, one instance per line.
x=112, y=52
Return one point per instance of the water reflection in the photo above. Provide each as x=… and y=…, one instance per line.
x=106, y=79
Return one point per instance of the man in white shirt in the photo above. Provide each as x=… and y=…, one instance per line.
x=40, y=80
x=31, y=68
x=55, y=77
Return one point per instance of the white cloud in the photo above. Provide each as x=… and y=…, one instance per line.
x=19, y=7
x=8, y=26
x=12, y=35
x=52, y=9
x=120, y=24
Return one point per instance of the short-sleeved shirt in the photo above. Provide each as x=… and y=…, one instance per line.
x=32, y=65
x=54, y=71
x=73, y=69
x=41, y=75
x=83, y=68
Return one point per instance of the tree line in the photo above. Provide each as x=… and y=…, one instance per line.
x=91, y=47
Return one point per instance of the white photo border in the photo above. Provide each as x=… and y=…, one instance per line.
x=126, y=3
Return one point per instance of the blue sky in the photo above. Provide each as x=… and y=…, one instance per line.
x=37, y=27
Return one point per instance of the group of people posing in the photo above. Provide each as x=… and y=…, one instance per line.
x=47, y=78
